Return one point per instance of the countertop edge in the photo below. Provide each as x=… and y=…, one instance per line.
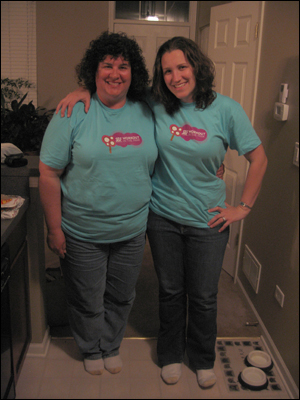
x=8, y=225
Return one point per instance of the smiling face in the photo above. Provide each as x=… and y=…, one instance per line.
x=178, y=75
x=113, y=79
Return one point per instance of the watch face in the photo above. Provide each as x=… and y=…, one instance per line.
x=245, y=205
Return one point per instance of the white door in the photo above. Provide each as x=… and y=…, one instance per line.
x=234, y=47
x=150, y=37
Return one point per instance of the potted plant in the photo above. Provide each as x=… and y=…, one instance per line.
x=22, y=124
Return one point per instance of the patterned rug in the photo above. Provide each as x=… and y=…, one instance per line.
x=231, y=354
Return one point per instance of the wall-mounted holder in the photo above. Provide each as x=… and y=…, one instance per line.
x=281, y=111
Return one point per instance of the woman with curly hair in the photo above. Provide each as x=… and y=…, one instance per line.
x=188, y=222
x=114, y=44
x=95, y=187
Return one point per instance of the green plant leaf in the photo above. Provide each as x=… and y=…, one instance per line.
x=14, y=105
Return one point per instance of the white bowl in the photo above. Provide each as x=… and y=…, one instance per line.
x=259, y=359
x=253, y=376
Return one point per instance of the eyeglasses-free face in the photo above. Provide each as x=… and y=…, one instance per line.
x=178, y=75
x=113, y=79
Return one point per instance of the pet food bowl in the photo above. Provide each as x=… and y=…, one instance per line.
x=259, y=359
x=253, y=378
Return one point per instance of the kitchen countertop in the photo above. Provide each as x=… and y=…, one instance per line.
x=8, y=225
x=31, y=169
x=15, y=181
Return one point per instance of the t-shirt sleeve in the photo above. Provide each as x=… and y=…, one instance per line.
x=242, y=136
x=57, y=142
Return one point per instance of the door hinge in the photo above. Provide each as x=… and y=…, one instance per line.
x=256, y=30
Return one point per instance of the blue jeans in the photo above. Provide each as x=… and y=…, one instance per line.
x=188, y=263
x=100, y=284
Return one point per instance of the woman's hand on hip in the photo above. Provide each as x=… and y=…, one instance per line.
x=221, y=171
x=227, y=216
x=57, y=242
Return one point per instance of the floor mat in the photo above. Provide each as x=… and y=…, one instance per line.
x=231, y=354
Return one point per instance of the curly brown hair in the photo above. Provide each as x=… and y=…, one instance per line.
x=204, y=72
x=114, y=44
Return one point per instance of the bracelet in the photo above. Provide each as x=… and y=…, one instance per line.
x=245, y=205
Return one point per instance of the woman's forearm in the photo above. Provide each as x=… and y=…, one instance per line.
x=50, y=194
x=258, y=165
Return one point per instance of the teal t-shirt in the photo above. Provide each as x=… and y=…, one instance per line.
x=109, y=157
x=192, y=146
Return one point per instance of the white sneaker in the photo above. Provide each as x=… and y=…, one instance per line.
x=206, y=377
x=94, y=367
x=171, y=373
x=113, y=364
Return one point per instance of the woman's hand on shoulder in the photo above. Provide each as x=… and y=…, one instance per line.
x=80, y=94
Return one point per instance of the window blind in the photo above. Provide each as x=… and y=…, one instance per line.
x=18, y=43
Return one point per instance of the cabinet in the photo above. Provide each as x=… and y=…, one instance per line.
x=18, y=294
x=23, y=181
x=19, y=308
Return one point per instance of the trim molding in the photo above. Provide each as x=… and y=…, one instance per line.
x=40, y=349
x=283, y=371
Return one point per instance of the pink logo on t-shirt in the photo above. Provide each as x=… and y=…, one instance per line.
x=187, y=133
x=123, y=140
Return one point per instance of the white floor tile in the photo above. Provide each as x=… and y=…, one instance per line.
x=55, y=388
x=61, y=375
x=116, y=388
x=56, y=368
x=143, y=369
x=145, y=388
x=85, y=387
x=181, y=390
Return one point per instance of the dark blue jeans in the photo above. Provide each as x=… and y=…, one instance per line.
x=188, y=263
x=100, y=284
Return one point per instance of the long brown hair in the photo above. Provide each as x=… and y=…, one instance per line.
x=204, y=72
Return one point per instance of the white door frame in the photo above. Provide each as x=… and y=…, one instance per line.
x=191, y=23
x=250, y=107
x=252, y=119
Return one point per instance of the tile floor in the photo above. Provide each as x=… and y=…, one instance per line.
x=61, y=376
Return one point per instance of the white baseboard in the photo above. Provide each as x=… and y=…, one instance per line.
x=40, y=349
x=285, y=375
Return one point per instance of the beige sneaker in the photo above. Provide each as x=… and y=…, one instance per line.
x=113, y=364
x=171, y=373
x=206, y=377
x=94, y=367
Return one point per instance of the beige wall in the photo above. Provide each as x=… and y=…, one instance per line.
x=64, y=31
x=272, y=229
